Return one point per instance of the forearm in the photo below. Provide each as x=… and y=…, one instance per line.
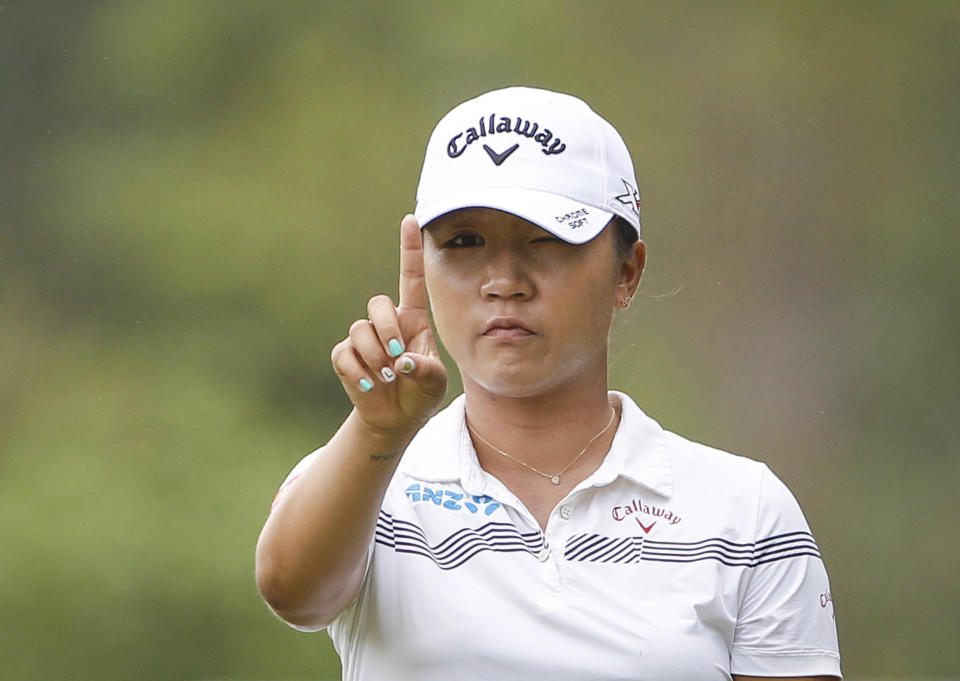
x=312, y=551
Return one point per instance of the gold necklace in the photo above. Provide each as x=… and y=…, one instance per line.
x=555, y=477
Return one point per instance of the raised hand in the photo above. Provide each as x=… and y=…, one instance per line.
x=389, y=364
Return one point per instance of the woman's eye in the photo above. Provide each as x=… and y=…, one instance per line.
x=464, y=241
x=548, y=240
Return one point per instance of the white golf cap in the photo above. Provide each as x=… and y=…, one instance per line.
x=543, y=156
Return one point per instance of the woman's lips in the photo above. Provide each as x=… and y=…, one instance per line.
x=507, y=329
x=508, y=332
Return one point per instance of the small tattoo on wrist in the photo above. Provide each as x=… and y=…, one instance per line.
x=383, y=457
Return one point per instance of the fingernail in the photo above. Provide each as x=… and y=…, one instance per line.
x=407, y=365
x=395, y=347
x=365, y=385
x=388, y=374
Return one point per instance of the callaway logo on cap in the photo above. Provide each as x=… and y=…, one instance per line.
x=544, y=156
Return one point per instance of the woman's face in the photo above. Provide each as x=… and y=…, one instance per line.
x=522, y=312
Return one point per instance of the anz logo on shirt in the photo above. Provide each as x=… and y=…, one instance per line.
x=453, y=501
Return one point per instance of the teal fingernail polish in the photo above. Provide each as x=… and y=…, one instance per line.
x=365, y=385
x=395, y=347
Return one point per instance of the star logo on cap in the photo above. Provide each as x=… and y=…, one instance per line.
x=630, y=198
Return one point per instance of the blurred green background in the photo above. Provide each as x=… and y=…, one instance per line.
x=197, y=198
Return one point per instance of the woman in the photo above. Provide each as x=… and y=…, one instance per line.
x=541, y=526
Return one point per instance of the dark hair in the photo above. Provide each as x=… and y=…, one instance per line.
x=626, y=236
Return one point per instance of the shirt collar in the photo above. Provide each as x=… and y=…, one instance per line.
x=638, y=452
x=443, y=452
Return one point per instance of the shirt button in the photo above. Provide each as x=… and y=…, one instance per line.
x=544, y=554
x=566, y=512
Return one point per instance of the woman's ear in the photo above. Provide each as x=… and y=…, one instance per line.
x=631, y=268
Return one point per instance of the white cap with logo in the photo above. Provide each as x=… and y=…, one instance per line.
x=543, y=156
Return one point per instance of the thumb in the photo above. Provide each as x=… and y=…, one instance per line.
x=427, y=371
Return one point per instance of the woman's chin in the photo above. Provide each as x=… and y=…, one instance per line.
x=514, y=377
x=514, y=382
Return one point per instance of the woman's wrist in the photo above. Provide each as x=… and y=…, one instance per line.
x=379, y=442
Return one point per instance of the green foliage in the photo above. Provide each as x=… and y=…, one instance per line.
x=198, y=198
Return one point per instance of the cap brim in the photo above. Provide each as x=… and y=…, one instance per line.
x=572, y=221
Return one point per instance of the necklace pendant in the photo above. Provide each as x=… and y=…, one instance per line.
x=555, y=479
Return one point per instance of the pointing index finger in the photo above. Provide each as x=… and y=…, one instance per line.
x=413, y=293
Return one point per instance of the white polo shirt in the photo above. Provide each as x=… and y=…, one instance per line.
x=672, y=561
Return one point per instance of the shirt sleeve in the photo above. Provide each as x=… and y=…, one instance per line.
x=785, y=624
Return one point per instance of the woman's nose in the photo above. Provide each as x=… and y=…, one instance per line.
x=506, y=277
